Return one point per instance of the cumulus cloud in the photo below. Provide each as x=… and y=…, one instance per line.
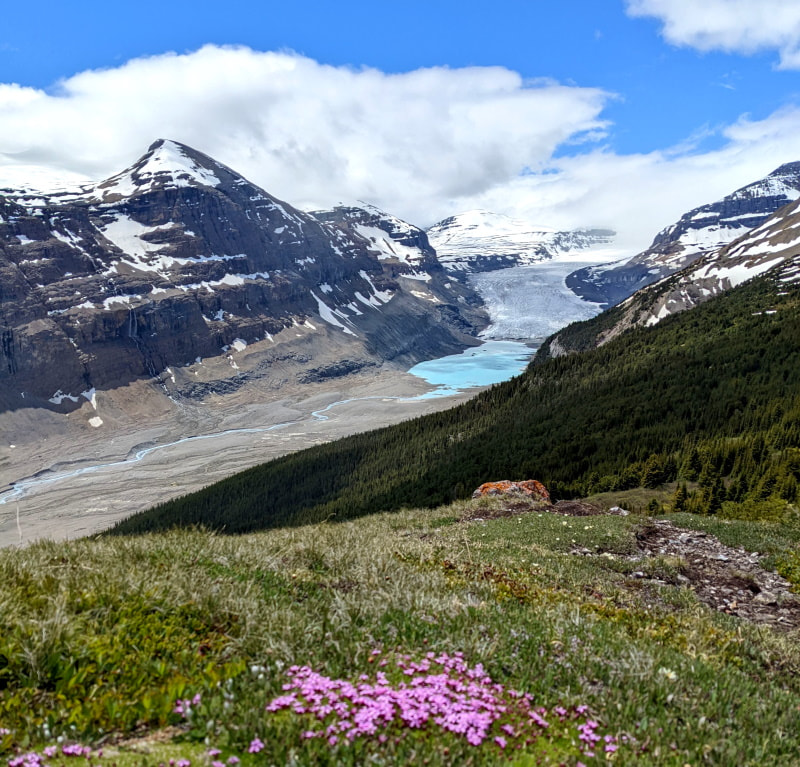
x=639, y=194
x=309, y=133
x=423, y=145
x=735, y=26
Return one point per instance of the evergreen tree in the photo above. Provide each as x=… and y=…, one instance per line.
x=708, y=475
x=758, y=449
x=692, y=465
x=680, y=498
x=652, y=474
x=712, y=497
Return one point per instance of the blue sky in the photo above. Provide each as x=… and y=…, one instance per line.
x=654, y=90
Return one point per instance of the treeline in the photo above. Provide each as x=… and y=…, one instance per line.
x=708, y=397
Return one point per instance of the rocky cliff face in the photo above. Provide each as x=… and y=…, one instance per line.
x=771, y=248
x=480, y=241
x=774, y=245
x=178, y=259
x=699, y=232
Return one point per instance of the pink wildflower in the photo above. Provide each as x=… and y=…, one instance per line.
x=255, y=746
x=440, y=690
x=74, y=749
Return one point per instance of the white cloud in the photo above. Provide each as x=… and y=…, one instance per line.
x=640, y=194
x=735, y=26
x=423, y=145
x=308, y=133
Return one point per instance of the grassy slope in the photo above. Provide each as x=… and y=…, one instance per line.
x=102, y=636
x=722, y=370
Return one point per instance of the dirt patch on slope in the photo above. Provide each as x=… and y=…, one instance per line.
x=728, y=579
x=515, y=507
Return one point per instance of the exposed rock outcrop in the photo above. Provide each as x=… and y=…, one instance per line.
x=727, y=579
x=528, y=488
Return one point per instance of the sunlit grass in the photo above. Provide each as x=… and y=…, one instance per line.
x=99, y=639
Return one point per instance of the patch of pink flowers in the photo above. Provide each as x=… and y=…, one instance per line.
x=440, y=691
x=36, y=759
x=184, y=707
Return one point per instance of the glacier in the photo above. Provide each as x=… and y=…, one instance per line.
x=532, y=302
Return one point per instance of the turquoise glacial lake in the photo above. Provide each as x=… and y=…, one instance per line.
x=492, y=362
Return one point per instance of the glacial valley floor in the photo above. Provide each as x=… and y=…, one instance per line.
x=186, y=446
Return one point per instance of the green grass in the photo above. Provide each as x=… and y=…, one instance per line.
x=636, y=499
x=99, y=637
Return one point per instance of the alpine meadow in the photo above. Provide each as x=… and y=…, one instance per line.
x=390, y=385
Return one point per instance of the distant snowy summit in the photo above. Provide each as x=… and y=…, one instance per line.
x=699, y=232
x=481, y=241
x=390, y=238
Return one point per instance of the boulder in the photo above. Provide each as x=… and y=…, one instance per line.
x=530, y=488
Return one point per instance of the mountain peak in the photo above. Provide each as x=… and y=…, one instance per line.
x=486, y=223
x=787, y=169
x=172, y=154
x=159, y=142
x=166, y=164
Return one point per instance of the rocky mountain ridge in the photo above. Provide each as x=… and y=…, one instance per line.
x=701, y=231
x=775, y=244
x=179, y=260
x=771, y=248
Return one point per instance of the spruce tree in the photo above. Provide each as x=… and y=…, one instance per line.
x=652, y=475
x=692, y=465
x=680, y=497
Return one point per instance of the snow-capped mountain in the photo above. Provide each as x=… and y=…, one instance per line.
x=479, y=241
x=775, y=244
x=700, y=231
x=178, y=258
x=771, y=248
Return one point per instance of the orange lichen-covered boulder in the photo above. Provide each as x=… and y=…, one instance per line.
x=527, y=487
